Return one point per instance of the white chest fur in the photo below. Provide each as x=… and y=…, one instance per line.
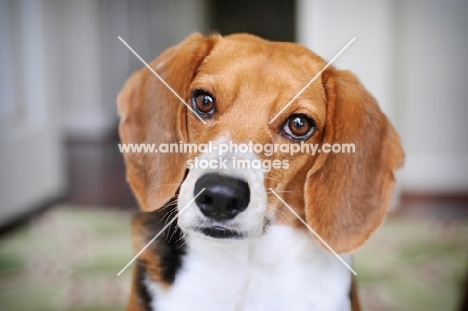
x=283, y=270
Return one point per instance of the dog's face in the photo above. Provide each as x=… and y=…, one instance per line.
x=237, y=84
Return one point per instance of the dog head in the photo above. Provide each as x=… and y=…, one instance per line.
x=236, y=88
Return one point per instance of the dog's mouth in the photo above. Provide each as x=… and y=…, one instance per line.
x=219, y=232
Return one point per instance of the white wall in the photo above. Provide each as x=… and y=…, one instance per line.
x=432, y=51
x=31, y=152
x=411, y=55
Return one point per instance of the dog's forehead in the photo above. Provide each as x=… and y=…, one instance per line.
x=256, y=57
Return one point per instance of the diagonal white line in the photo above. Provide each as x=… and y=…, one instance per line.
x=160, y=232
x=313, y=231
x=313, y=79
x=161, y=79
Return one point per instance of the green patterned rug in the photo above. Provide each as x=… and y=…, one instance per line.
x=68, y=259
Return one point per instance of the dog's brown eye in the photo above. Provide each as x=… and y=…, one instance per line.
x=203, y=103
x=299, y=127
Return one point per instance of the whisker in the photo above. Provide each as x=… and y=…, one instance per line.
x=161, y=185
x=181, y=237
x=168, y=219
x=173, y=231
x=170, y=204
x=185, y=241
x=291, y=192
x=167, y=214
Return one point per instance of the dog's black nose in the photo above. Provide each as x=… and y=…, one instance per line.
x=223, y=198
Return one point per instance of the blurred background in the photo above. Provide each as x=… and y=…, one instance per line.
x=65, y=207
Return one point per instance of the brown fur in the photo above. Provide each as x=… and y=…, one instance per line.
x=151, y=114
x=344, y=197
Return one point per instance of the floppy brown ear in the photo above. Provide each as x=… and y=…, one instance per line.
x=151, y=114
x=348, y=195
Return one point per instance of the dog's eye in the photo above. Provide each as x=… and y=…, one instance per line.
x=203, y=103
x=299, y=127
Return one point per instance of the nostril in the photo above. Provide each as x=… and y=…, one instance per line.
x=232, y=204
x=205, y=199
x=223, y=198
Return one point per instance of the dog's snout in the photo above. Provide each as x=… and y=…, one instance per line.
x=224, y=197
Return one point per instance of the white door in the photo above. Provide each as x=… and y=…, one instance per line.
x=31, y=162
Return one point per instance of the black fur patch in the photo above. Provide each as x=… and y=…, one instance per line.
x=144, y=295
x=170, y=245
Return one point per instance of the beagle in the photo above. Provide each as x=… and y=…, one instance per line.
x=233, y=245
